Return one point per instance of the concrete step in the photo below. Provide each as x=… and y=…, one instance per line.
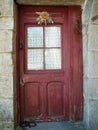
x=57, y=126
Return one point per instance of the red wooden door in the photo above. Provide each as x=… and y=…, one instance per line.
x=50, y=65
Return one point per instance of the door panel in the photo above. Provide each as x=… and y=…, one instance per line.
x=55, y=98
x=48, y=58
x=32, y=99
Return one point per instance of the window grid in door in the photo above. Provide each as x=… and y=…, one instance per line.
x=44, y=48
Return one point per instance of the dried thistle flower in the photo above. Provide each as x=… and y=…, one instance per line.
x=44, y=17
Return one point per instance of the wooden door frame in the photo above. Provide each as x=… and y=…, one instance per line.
x=75, y=107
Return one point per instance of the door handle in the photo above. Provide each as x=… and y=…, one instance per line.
x=22, y=82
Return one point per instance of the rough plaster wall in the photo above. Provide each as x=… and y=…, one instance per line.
x=90, y=42
x=6, y=65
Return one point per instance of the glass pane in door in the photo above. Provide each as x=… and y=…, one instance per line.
x=44, y=48
x=35, y=36
x=35, y=59
x=53, y=36
x=53, y=59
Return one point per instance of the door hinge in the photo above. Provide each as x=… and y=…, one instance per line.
x=20, y=44
x=22, y=82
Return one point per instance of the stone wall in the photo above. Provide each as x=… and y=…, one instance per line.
x=6, y=64
x=7, y=60
x=90, y=42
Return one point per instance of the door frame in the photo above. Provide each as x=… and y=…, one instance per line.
x=75, y=107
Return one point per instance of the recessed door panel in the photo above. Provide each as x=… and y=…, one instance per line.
x=32, y=99
x=55, y=99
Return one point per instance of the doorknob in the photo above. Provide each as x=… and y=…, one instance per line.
x=22, y=82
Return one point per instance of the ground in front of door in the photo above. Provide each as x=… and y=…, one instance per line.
x=57, y=126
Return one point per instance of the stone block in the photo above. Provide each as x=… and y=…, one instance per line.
x=92, y=70
x=85, y=88
x=6, y=86
x=6, y=65
x=94, y=16
x=6, y=22
x=87, y=9
x=6, y=110
x=90, y=89
x=93, y=114
x=6, y=125
x=6, y=7
x=93, y=38
x=6, y=40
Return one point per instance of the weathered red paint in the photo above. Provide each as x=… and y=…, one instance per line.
x=52, y=95
x=76, y=64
